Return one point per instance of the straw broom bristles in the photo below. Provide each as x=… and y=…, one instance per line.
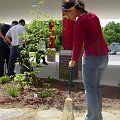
x=68, y=110
x=68, y=105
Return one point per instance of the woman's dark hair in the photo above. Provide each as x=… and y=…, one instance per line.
x=67, y=5
x=78, y=4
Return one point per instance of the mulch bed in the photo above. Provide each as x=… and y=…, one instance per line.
x=111, y=96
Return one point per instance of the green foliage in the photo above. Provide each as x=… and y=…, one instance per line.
x=13, y=91
x=46, y=92
x=4, y=79
x=119, y=85
x=18, y=77
x=111, y=32
x=38, y=31
x=50, y=80
x=23, y=79
x=32, y=47
x=58, y=34
x=51, y=51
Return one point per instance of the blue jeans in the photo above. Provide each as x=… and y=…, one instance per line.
x=14, y=54
x=92, y=71
x=23, y=59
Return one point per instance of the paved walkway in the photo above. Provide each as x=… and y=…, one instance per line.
x=51, y=114
x=111, y=76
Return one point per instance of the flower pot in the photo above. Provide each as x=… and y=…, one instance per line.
x=51, y=54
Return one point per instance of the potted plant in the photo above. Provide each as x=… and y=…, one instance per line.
x=51, y=54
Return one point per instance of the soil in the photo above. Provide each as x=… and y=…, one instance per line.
x=56, y=92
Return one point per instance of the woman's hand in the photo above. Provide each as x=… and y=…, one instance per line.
x=72, y=63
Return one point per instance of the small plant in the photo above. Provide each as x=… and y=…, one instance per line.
x=23, y=79
x=44, y=94
x=12, y=91
x=50, y=80
x=4, y=79
x=51, y=51
x=119, y=85
x=20, y=78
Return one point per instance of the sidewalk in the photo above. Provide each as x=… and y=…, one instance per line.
x=51, y=114
x=111, y=76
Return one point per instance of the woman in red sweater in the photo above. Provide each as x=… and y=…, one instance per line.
x=88, y=33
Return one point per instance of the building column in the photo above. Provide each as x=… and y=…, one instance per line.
x=64, y=58
x=65, y=55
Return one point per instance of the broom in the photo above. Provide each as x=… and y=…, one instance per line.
x=68, y=105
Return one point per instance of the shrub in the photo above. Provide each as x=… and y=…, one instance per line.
x=12, y=91
x=23, y=79
x=44, y=94
x=119, y=85
x=4, y=79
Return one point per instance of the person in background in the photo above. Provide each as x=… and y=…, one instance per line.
x=88, y=33
x=4, y=46
x=17, y=43
x=41, y=53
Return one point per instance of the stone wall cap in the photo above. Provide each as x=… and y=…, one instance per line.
x=66, y=52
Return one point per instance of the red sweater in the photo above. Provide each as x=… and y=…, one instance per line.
x=88, y=32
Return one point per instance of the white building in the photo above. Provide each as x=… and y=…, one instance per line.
x=16, y=9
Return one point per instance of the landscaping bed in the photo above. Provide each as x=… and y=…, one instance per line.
x=52, y=93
